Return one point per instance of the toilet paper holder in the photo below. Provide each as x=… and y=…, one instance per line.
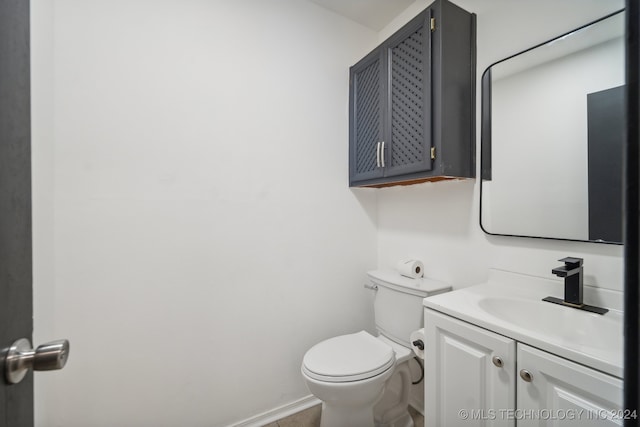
x=419, y=344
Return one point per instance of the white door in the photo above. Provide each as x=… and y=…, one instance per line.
x=553, y=391
x=469, y=374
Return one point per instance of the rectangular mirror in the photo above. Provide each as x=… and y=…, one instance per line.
x=552, y=133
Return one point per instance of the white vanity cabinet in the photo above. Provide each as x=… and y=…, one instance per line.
x=473, y=376
x=468, y=370
x=565, y=392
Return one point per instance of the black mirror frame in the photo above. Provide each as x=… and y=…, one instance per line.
x=485, y=133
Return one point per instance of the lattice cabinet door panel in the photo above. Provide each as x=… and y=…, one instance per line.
x=409, y=100
x=366, y=117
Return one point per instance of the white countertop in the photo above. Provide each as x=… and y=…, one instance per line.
x=511, y=305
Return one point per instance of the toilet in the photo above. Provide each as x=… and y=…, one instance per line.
x=349, y=373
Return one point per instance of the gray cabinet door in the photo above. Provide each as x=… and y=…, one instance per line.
x=367, y=87
x=16, y=401
x=409, y=99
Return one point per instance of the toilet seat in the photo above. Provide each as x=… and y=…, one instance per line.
x=347, y=358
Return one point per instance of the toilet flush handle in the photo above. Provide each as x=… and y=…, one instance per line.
x=372, y=287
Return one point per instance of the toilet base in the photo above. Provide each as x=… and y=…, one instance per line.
x=403, y=421
x=334, y=416
x=348, y=404
x=393, y=409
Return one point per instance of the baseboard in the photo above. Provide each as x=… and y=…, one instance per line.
x=278, y=413
x=417, y=404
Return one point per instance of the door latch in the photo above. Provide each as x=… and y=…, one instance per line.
x=47, y=357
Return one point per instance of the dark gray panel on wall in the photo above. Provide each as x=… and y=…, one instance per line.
x=485, y=155
x=606, y=131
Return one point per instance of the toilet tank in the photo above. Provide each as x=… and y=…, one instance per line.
x=397, y=306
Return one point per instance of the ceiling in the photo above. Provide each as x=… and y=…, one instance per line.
x=375, y=14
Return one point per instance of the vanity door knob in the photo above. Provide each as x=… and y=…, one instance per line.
x=526, y=375
x=497, y=360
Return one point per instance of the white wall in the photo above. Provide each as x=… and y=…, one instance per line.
x=438, y=222
x=194, y=232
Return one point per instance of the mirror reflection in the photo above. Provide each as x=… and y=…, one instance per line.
x=552, y=134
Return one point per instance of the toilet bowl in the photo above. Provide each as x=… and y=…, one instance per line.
x=349, y=373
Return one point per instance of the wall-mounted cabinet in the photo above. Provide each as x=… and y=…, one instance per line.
x=478, y=377
x=412, y=102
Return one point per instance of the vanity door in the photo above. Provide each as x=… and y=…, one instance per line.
x=470, y=374
x=553, y=391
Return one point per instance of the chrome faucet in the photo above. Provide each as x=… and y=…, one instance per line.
x=571, y=271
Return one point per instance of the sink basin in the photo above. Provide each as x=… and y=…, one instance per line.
x=511, y=305
x=567, y=326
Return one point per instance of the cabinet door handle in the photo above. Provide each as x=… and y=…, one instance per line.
x=378, y=154
x=382, y=155
x=497, y=360
x=526, y=375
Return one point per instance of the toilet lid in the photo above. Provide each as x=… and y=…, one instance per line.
x=351, y=357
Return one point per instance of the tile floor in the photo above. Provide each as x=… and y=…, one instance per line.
x=311, y=418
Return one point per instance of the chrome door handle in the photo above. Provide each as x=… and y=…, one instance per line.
x=21, y=357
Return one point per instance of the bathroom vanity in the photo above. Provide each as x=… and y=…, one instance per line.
x=499, y=355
